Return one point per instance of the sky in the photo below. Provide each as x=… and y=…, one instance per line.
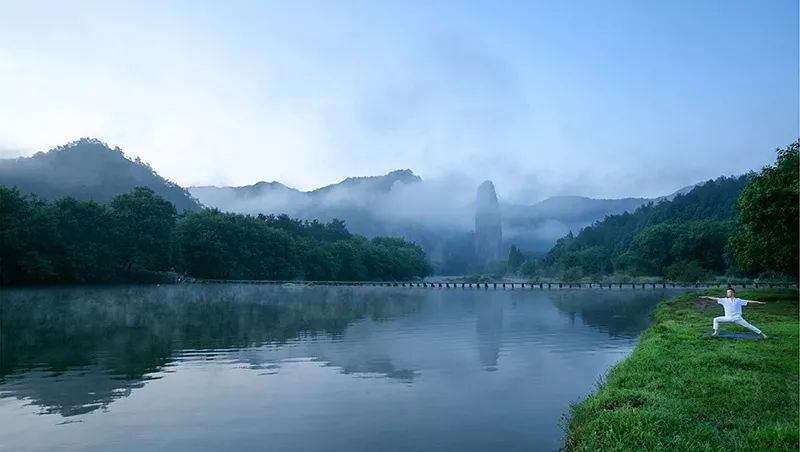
x=596, y=98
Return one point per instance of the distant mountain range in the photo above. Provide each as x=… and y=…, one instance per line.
x=362, y=201
x=271, y=195
x=88, y=169
x=439, y=216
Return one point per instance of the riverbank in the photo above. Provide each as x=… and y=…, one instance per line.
x=680, y=390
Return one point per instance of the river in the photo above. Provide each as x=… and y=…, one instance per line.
x=295, y=368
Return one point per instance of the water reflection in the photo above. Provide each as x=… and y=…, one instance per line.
x=372, y=368
x=490, y=333
x=72, y=351
x=620, y=313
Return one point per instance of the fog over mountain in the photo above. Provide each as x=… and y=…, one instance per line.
x=402, y=197
x=440, y=214
x=397, y=197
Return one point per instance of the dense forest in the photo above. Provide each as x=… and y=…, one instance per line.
x=736, y=226
x=140, y=234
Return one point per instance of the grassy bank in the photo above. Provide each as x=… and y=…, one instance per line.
x=680, y=390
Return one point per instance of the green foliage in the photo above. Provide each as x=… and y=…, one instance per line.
x=695, y=236
x=29, y=239
x=691, y=227
x=572, y=274
x=351, y=261
x=681, y=391
x=515, y=259
x=768, y=218
x=139, y=232
x=529, y=268
x=686, y=272
x=85, y=230
x=666, y=248
x=212, y=244
x=330, y=232
x=142, y=229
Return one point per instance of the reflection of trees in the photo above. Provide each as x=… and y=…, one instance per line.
x=619, y=314
x=98, y=340
x=71, y=392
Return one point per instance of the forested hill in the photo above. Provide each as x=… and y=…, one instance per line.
x=90, y=170
x=683, y=239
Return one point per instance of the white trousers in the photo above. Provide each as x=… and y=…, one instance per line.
x=738, y=320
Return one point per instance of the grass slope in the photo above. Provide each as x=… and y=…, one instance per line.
x=681, y=391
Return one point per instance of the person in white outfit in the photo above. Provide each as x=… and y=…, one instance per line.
x=733, y=312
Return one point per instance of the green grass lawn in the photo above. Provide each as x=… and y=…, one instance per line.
x=682, y=391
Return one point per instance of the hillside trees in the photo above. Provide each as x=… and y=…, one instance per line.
x=74, y=241
x=746, y=225
x=767, y=239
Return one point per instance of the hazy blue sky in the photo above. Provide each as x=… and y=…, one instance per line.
x=603, y=98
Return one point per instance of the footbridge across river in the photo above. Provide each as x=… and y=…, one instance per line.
x=507, y=285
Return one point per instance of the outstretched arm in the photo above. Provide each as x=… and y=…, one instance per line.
x=754, y=302
x=709, y=298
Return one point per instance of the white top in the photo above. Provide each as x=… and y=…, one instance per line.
x=733, y=306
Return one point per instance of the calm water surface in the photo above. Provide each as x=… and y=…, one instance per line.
x=304, y=369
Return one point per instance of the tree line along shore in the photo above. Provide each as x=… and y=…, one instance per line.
x=139, y=236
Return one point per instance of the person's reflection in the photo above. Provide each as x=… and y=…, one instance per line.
x=490, y=333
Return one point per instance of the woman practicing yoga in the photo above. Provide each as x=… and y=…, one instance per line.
x=733, y=312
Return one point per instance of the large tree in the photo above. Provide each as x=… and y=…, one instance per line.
x=142, y=224
x=87, y=249
x=767, y=239
x=30, y=242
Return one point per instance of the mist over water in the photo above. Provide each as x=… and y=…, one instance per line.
x=298, y=368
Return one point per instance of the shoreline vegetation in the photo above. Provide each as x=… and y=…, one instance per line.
x=140, y=237
x=680, y=390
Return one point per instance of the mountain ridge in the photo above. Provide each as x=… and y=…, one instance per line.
x=89, y=169
x=398, y=202
x=384, y=181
